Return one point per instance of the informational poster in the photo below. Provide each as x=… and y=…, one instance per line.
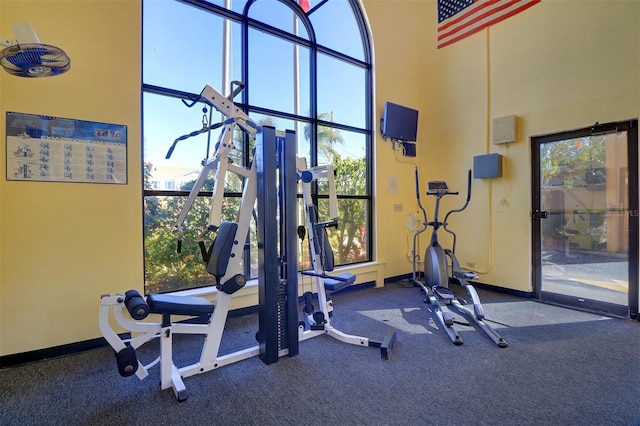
x=52, y=149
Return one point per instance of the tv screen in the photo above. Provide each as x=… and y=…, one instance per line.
x=399, y=122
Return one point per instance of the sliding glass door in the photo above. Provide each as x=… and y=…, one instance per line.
x=585, y=218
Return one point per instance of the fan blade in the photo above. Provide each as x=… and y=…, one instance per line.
x=25, y=33
x=27, y=58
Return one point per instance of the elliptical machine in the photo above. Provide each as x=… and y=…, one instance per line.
x=436, y=270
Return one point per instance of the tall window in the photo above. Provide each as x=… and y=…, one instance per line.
x=303, y=70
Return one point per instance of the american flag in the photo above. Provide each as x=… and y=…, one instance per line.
x=304, y=4
x=458, y=19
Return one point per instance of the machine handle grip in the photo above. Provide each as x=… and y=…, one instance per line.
x=442, y=192
x=173, y=146
x=323, y=275
x=179, y=248
x=203, y=251
x=328, y=224
x=194, y=133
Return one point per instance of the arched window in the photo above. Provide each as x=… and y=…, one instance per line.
x=307, y=70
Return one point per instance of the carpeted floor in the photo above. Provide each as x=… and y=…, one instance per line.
x=562, y=367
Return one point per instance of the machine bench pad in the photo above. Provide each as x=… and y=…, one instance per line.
x=179, y=305
x=339, y=282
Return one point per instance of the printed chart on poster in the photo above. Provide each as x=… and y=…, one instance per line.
x=52, y=149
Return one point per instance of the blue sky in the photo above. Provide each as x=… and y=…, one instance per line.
x=182, y=50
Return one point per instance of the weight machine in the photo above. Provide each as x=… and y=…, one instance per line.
x=436, y=270
x=322, y=258
x=163, y=315
x=270, y=181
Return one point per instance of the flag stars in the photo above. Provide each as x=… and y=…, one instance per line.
x=448, y=8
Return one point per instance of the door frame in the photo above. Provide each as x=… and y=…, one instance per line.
x=632, y=311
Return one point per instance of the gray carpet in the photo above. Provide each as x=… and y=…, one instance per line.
x=562, y=367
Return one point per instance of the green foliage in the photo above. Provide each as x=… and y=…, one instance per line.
x=350, y=237
x=167, y=270
x=565, y=162
x=569, y=168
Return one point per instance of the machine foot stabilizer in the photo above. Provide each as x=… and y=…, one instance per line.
x=386, y=346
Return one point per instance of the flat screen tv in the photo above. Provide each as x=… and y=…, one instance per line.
x=399, y=122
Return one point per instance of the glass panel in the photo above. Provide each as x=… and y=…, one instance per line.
x=164, y=120
x=236, y=5
x=341, y=100
x=235, y=61
x=283, y=124
x=347, y=152
x=253, y=251
x=338, y=14
x=165, y=269
x=304, y=251
x=585, y=238
x=182, y=47
x=350, y=240
x=175, y=60
x=278, y=123
x=271, y=74
x=167, y=119
x=278, y=15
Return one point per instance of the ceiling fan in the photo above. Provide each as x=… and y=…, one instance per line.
x=25, y=56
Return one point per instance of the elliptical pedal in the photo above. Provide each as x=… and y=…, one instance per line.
x=443, y=293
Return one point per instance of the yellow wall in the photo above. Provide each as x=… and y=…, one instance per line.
x=559, y=65
x=399, y=29
x=63, y=244
x=3, y=162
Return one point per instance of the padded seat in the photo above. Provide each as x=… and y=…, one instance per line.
x=339, y=282
x=179, y=305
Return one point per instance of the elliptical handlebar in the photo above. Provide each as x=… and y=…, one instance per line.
x=424, y=212
x=444, y=224
x=442, y=193
x=424, y=226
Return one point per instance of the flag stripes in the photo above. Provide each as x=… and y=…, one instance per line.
x=458, y=19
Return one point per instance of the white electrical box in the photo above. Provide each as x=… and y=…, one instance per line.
x=504, y=130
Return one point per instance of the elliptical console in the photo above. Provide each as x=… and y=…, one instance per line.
x=437, y=187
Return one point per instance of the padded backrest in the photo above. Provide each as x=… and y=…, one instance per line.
x=220, y=251
x=326, y=252
x=323, y=248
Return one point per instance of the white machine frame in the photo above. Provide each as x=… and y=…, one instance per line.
x=322, y=325
x=220, y=164
x=171, y=376
x=181, y=307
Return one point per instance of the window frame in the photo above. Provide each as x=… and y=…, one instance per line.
x=312, y=119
